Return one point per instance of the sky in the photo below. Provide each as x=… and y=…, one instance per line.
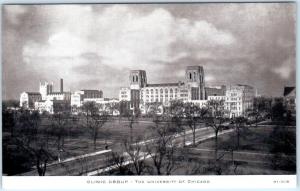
x=96, y=46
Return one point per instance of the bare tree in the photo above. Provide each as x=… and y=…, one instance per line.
x=27, y=126
x=132, y=118
x=99, y=119
x=177, y=113
x=136, y=155
x=162, y=149
x=89, y=108
x=118, y=159
x=59, y=122
x=239, y=125
x=95, y=120
x=216, y=121
x=193, y=115
x=29, y=140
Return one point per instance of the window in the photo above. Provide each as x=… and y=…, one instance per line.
x=190, y=76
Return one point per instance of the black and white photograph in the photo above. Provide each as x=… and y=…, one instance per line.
x=155, y=89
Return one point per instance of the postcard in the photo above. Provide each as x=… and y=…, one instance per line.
x=155, y=95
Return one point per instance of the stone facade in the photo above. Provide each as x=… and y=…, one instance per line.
x=141, y=93
x=27, y=99
x=239, y=98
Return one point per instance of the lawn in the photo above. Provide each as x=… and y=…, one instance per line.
x=77, y=141
x=251, y=139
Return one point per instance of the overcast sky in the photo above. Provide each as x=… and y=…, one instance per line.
x=95, y=46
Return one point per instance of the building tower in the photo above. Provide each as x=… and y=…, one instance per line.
x=138, y=80
x=194, y=76
x=45, y=89
x=61, y=85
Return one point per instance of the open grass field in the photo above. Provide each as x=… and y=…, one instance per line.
x=78, y=141
x=251, y=139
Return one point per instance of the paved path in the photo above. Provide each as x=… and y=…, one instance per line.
x=75, y=165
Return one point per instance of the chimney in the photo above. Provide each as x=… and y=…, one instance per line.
x=61, y=85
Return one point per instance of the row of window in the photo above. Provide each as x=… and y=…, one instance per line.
x=166, y=95
x=158, y=100
x=161, y=91
x=233, y=99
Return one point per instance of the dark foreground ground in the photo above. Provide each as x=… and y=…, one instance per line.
x=261, y=150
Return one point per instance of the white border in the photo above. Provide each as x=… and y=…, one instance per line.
x=260, y=182
x=149, y=182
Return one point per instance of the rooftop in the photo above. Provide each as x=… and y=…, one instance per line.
x=55, y=93
x=33, y=93
x=194, y=67
x=91, y=90
x=164, y=84
x=288, y=90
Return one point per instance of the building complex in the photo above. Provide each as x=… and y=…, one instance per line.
x=140, y=94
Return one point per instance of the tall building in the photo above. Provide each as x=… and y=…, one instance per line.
x=52, y=101
x=61, y=86
x=194, y=77
x=215, y=91
x=28, y=99
x=141, y=94
x=138, y=80
x=78, y=97
x=239, y=98
x=124, y=94
x=46, y=90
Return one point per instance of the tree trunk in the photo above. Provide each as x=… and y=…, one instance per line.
x=194, y=137
x=216, y=146
x=256, y=119
x=131, y=138
x=95, y=139
x=158, y=170
x=238, y=140
x=184, y=137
